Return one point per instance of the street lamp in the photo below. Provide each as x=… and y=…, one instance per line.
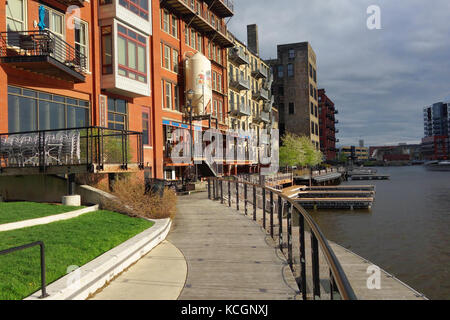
x=189, y=97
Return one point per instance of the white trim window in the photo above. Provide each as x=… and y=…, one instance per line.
x=55, y=22
x=16, y=15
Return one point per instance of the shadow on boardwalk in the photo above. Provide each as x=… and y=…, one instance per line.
x=229, y=256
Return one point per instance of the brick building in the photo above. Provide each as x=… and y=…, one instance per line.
x=327, y=126
x=436, y=143
x=295, y=90
x=121, y=65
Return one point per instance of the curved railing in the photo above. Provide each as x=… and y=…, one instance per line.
x=339, y=286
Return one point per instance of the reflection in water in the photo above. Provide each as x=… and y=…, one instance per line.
x=407, y=230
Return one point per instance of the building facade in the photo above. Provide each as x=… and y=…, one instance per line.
x=128, y=66
x=295, y=90
x=359, y=154
x=327, y=126
x=435, y=144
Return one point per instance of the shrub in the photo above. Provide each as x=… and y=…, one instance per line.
x=133, y=201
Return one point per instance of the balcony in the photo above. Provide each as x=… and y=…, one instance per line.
x=239, y=84
x=261, y=94
x=42, y=52
x=199, y=21
x=336, y=111
x=240, y=109
x=223, y=8
x=262, y=117
x=259, y=72
x=73, y=150
x=336, y=121
x=237, y=56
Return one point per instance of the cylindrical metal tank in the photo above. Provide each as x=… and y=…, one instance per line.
x=198, y=78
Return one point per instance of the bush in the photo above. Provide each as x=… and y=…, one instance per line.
x=133, y=201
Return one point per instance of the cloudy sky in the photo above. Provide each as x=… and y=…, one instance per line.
x=380, y=80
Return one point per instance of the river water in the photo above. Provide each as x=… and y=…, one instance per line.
x=407, y=231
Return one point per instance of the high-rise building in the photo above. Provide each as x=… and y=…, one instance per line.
x=327, y=124
x=295, y=90
x=435, y=144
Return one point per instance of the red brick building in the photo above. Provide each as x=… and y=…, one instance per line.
x=327, y=126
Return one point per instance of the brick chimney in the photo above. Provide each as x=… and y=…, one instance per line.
x=252, y=38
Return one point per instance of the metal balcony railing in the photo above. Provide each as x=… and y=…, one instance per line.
x=238, y=56
x=277, y=213
x=259, y=72
x=261, y=94
x=239, y=83
x=93, y=148
x=240, y=109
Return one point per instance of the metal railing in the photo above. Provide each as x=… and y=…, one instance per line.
x=276, y=205
x=41, y=43
x=42, y=253
x=90, y=146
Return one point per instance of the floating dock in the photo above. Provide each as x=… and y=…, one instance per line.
x=336, y=203
x=371, y=177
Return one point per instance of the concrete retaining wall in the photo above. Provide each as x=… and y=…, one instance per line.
x=46, y=188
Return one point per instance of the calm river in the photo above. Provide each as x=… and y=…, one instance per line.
x=407, y=231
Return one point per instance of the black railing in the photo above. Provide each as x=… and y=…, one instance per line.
x=90, y=146
x=42, y=252
x=289, y=211
x=41, y=43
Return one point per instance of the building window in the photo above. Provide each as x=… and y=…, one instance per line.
x=168, y=95
x=280, y=72
x=175, y=60
x=138, y=7
x=107, y=64
x=312, y=108
x=30, y=110
x=54, y=22
x=81, y=40
x=290, y=70
x=220, y=111
x=145, y=127
x=291, y=53
x=315, y=111
x=174, y=29
x=291, y=108
x=165, y=21
x=131, y=51
x=312, y=127
x=281, y=90
x=15, y=15
x=117, y=114
x=176, y=96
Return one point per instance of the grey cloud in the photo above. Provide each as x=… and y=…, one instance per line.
x=380, y=80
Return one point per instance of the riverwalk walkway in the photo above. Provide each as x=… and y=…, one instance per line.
x=214, y=252
x=228, y=255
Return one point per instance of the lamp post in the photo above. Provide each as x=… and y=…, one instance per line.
x=190, y=96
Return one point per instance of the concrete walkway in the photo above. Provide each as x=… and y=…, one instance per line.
x=228, y=255
x=160, y=275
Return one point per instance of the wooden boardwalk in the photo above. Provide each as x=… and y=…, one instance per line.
x=229, y=256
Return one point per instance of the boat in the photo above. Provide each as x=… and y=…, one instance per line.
x=438, y=165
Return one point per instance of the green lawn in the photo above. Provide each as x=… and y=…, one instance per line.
x=18, y=211
x=70, y=242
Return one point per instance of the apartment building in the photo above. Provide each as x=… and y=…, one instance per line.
x=128, y=67
x=250, y=100
x=436, y=144
x=327, y=126
x=295, y=90
x=357, y=153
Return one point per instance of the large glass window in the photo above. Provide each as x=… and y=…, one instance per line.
x=30, y=110
x=117, y=114
x=138, y=7
x=131, y=50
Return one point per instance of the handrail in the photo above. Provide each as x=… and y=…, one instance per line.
x=338, y=279
x=42, y=252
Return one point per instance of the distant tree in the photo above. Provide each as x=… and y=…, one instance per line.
x=299, y=151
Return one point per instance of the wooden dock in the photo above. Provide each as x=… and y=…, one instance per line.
x=336, y=203
x=371, y=177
